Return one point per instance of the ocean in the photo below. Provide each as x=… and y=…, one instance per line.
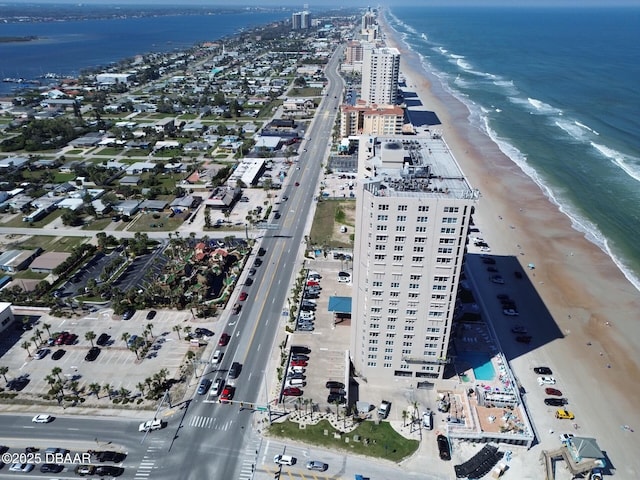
x=557, y=90
x=68, y=47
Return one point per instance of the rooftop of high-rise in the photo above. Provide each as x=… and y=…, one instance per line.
x=411, y=166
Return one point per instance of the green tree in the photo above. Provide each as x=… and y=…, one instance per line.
x=3, y=371
x=26, y=346
x=177, y=329
x=90, y=335
x=95, y=388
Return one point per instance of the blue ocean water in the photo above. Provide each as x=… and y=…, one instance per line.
x=557, y=90
x=66, y=48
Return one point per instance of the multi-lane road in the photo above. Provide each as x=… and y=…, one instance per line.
x=205, y=439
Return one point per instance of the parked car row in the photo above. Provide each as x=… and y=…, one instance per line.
x=307, y=316
x=295, y=377
x=556, y=399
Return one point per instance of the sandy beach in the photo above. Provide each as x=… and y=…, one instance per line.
x=591, y=301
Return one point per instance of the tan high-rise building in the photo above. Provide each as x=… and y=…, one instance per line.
x=412, y=216
x=370, y=120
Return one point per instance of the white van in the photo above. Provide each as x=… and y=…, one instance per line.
x=296, y=382
x=427, y=420
x=313, y=275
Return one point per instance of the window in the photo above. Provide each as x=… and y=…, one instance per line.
x=445, y=230
x=417, y=259
x=383, y=218
x=376, y=293
x=376, y=309
x=440, y=279
x=381, y=238
x=439, y=287
x=414, y=286
x=451, y=209
x=422, y=219
x=420, y=240
x=412, y=313
x=423, y=208
x=437, y=296
x=443, y=260
x=381, y=228
x=408, y=328
x=394, y=294
x=371, y=364
x=393, y=310
x=418, y=249
x=381, y=247
x=398, y=258
x=447, y=241
x=445, y=250
x=401, y=218
x=414, y=295
x=402, y=208
x=383, y=207
x=395, y=285
x=449, y=220
x=415, y=277
x=400, y=238
x=398, y=248
x=400, y=228
x=421, y=229
x=386, y=365
x=388, y=357
x=380, y=257
x=376, y=284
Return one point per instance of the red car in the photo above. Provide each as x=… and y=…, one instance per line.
x=297, y=184
x=61, y=338
x=243, y=296
x=227, y=394
x=298, y=363
x=553, y=391
x=292, y=392
x=224, y=339
x=312, y=283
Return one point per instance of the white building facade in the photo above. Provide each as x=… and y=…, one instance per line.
x=380, y=75
x=412, y=216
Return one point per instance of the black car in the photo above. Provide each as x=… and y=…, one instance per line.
x=248, y=282
x=203, y=388
x=276, y=215
x=252, y=271
x=300, y=349
x=308, y=308
x=103, y=339
x=488, y=261
x=109, y=470
x=110, y=456
x=128, y=313
x=204, y=332
x=335, y=397
x=443, y=448
x=333, y=384
x=18, y=384
x=51, y=468
x=543, y=371
x=234, y=371
x=151, y=315
x=92, y=354
x=257, y=262
x=261, y=251
x=58, y=354
x=555, y=402
x=300, y=356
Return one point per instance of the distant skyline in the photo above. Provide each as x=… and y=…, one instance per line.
x=324, y=4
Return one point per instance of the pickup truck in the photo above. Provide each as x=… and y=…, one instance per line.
x=151, y=425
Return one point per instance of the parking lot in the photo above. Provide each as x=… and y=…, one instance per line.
x=115, y=365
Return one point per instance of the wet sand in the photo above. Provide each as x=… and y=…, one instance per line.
x=589, y=298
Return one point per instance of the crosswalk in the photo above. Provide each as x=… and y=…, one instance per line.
x=203, y=421
x=154, y=450
x=250, y=459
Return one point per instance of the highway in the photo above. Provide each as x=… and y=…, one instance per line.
x=205, y=439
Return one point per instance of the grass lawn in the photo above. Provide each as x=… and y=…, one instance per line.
x=98, y=224
x=305, y=92
x=146, y=223
x=29, y=275
x=380, y=441
x=322, y=230
x=61, y=177
x=55, y=244
x=18, y=223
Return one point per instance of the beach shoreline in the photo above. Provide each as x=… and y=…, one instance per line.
x=591, y=300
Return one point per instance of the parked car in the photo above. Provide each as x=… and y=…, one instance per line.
x=553, y=391
x=299, y=356
x=335, y=398
x=85, y=470
x=243, y=296
x=524, y=338
x=555, y=402
x=103, y=339
x=300, y=349
x=306, y=328
x=41, y=353
x=109, y=470
x=334, y=384
x=257, y=262
x=443, y=448
x=92, y=354
x=109, y=456
x=236, y=308
x=292, y=392
x=204, y=332
x=248, y=282
x=21, y=467
x=51, y=468
x=58, y=354
x=128, y=314
x=565, y=414
x=519, y=329
x=543, y=371
x=510, y=312
x=497, y=279
x=296, y=375
x=546, y=381
x=151, y=314
x=298, y=363
x=252, y=271
x=305, y=315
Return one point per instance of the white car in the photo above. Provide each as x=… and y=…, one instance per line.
x=497, y=279
x=546, y=381
x=42, y=418
x=306, y=315
x=510, y=312
x=151, y=425
x=285, y=460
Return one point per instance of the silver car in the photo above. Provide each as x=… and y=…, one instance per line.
x=316, y=465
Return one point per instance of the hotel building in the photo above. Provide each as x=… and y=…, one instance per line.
x=380, y=74
x=412, y=215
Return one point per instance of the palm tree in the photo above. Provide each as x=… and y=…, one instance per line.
x=95, y=389
x=404, y=418
x=3, y=371
x=150, y=328
x=50, y=379
x=47, y=327
x=107, y=388
x=26, y=346
x=187, y=330
x=125, y=337
x=38, y=333
x=90, y=335
x=56, y=371
x=124, y=393
x=177, y=329
x=140, y=386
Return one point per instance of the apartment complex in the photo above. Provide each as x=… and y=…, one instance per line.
x=300, y=20
x=370, y=120
x=412, y=216
x=380, y=75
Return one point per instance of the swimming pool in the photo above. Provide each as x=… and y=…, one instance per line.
x=481, y=364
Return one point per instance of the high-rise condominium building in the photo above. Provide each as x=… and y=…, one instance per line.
x=412, y=214
x=380, y=74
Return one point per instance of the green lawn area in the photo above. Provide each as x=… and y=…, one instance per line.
x=63, y=177
x=18, y=223
x=97, y=224
x=380, y=441
x=305, y=92
x=55, y=244
x=323, y=227
x=147, y=223
x=29, y=275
